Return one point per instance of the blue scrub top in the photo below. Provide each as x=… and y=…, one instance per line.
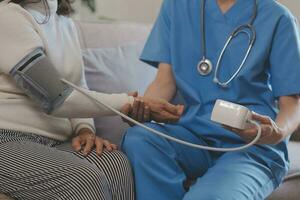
x=272, y=69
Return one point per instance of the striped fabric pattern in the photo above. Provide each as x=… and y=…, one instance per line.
x=34, y=167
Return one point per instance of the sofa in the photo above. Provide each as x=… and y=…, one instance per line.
x=113, y=34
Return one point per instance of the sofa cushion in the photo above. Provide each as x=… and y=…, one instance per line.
x=294, y=148
x=107, y=34
x=116, y=70
x=296, y=136
x=289, y=190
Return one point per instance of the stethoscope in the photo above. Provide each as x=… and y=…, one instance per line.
x=205, y=66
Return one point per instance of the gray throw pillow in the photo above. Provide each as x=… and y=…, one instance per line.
x=116, y=70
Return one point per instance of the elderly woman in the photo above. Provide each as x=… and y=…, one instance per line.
x=39, y=113
x=259, y=67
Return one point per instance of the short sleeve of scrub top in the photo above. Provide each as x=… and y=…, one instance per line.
x=285, y=58
x=157, y=49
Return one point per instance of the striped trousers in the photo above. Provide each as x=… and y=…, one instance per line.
x=38, y=168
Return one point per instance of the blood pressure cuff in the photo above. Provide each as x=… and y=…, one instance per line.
x=40, y=80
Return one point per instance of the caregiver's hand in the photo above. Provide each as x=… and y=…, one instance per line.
x=163, y=111
x=86, y=141
x=270, y=132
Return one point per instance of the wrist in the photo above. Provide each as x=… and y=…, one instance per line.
x=282, y=128
x=85, y=131
x=131, y=100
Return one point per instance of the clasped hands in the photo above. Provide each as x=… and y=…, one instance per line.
x=145, y=109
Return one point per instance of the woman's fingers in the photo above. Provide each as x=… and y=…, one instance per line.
x=89, y=145
x=99, y=146
x=114, y=146
x=101, y=143
x=109, y=146
x=139, y=111
x=147, y=114
x=140, y=115
x=76, y=144
x=126, y=109
x=90, y=141
x=135, y=109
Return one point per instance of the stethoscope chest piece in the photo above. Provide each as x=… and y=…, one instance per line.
x=204, y=67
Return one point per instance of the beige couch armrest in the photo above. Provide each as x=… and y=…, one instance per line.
x=296, y=136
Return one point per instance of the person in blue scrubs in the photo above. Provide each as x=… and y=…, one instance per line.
x=268, y=84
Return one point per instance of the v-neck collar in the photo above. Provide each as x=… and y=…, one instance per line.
x=233, y=15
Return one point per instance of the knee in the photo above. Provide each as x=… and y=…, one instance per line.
x=214, y=194
x=119, y=163
x=89, y=175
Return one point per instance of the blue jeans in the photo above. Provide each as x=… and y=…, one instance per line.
x=161, y=167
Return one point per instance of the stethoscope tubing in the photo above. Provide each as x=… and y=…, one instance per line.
x=232, y=36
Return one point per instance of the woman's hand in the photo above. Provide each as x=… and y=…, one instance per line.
x=138, y=111
x=270, y=132
x=86, y=141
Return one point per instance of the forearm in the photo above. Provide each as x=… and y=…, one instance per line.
x=161, y=91
x=164, y=85
x=288, y=117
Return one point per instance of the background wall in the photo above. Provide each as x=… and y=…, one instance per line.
x=130, y=10
x=293, y=5
x=141, y=10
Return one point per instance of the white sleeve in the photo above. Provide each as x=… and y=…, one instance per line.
x=18, y=37
x=80, y=123
x=78, y=105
